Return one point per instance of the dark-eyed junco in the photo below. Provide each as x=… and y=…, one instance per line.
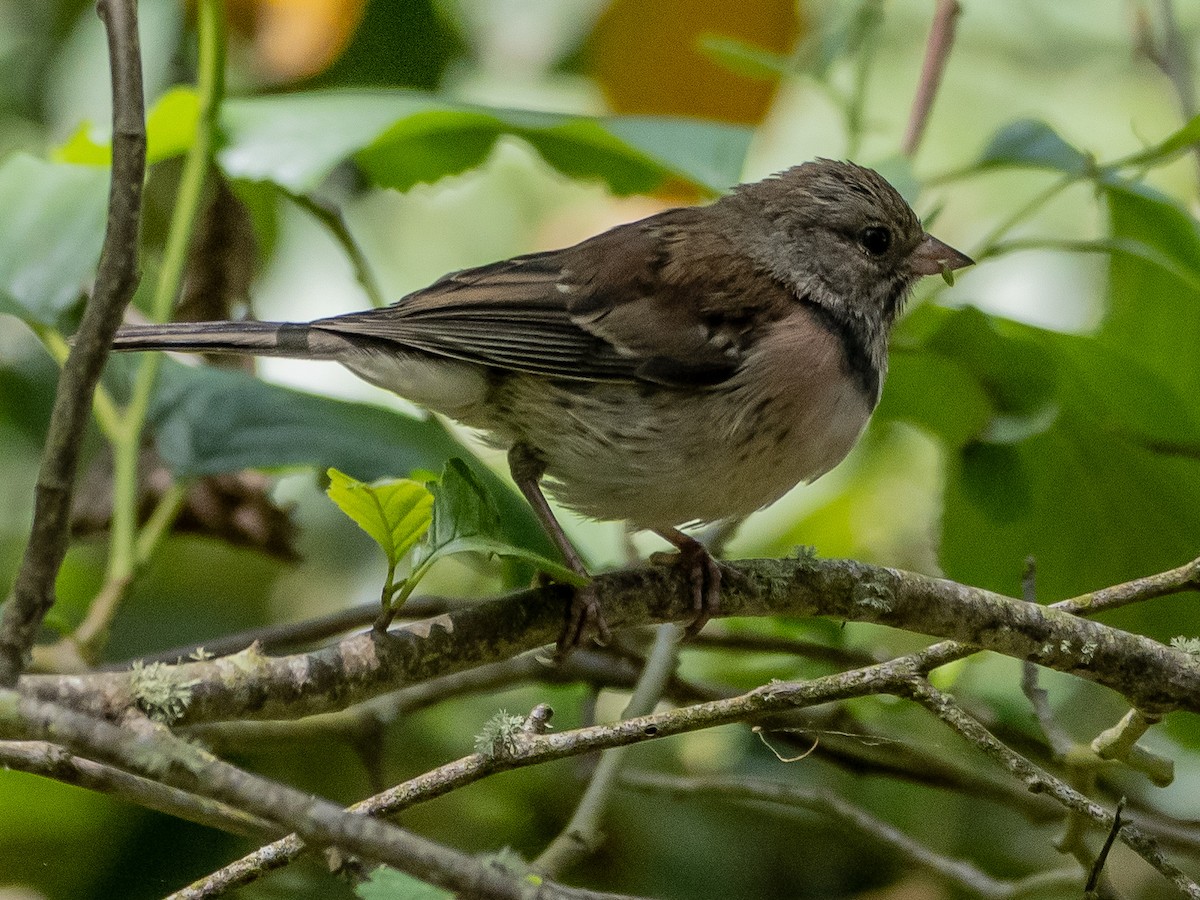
x=690, y=367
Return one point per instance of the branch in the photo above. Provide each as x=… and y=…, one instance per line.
x=1155, y=678
x=937, y=52
x=897, y=677
x=161, y=756
x=529, y=749
x=116, y=279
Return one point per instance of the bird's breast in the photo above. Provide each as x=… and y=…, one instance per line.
x=659, y=456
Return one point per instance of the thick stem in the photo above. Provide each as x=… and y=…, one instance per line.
x=116, y=280
x=126, y=452
x=937, y=53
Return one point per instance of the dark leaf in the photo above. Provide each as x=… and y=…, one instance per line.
x=209, y=421
x=1033, y=144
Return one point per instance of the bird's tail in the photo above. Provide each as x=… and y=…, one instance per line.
x=288, y=339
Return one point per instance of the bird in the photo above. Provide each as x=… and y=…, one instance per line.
x=690, y=367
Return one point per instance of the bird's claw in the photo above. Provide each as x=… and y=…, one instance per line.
x=705, y=574
x=704, y=578
x=582, y=612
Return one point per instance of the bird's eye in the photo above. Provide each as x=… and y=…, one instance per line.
x=875, y=240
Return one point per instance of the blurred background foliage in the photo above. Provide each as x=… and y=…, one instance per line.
x=1048, y=404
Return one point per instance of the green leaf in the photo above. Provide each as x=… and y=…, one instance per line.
x=1017, y=375
x=1064, y=447
x=50, y=235
x=462, y=506
x=208, y=421
x=1029, y=143
x=391, y=884
x=401, y=138
x=1092, y=507
x=466, y=520
x=296, y=140
x=1153, y=313
x=170, y=129
x=1123, y=395
x=935, y=393
x=744, y=58
x=396, y=513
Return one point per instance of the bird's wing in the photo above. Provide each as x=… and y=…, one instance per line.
x=646, y=301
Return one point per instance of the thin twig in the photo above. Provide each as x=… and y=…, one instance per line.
x=51, y=761
x=583, y=834
x=158, y=754
x=894, y=677
x=1171, y=53
x=127, y=449
x=1060, y=742
x=273, y=638
x=528, y=750
x=1174, y=581
x=1037, y=779
x=116, y=279
x=1102, y=857
x=335, y=221
x=937, y=53
x=714, y=639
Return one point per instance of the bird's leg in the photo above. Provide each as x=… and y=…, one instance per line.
x=527, y=469
x=703, y=571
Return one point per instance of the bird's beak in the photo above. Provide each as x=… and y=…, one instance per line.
x=932, y=257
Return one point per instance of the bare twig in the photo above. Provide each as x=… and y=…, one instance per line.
x=1170, y=52
x=334, y=220
x=1037, y=779
x=116, y=279
x=1174, y=581
x=1060, y=742
x=937, y=52
x=583, y=834
x=52, y=761
x=527, y=750
x=159, y=755
x=1102, y=856
x=127, y=448
x=895, y=677
x=714, y=639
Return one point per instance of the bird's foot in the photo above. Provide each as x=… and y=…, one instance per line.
x=704, y=576
x=582, y=612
